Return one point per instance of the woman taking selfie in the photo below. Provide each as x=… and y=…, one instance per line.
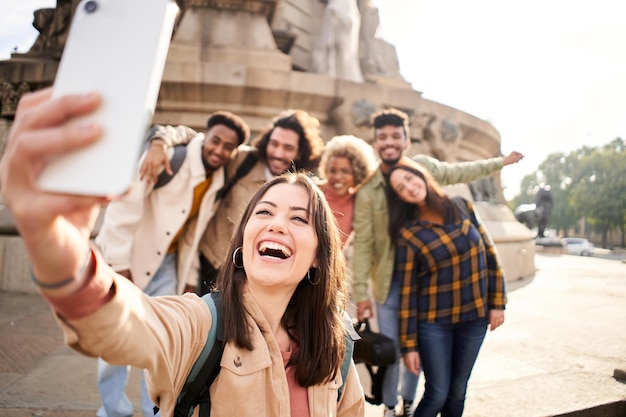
x=452, y=286
x=283, y=293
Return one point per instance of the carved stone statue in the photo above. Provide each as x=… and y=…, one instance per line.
x=441, y=134
x=362, y=111
x=377, y=56
x=336, y=52
x=10, y=96
x=53, y=26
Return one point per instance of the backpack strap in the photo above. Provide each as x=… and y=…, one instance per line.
x=460, y=203
x=207, y=365
x=242, y=170
x=180, y=152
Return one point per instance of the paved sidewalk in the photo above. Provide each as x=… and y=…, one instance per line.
x=564, y=336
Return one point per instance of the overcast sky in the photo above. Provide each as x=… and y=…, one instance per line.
x=550, y=75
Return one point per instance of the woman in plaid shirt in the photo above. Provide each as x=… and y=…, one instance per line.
x=450, y=281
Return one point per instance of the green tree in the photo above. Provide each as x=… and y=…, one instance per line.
x=554, y=173
x=599, y=188
x=588, y=183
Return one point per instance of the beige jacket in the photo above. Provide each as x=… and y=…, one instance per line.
x=139, y=227
x=216, y=241
x=165, y=335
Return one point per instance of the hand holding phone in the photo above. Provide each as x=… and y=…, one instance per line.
x=117, y=48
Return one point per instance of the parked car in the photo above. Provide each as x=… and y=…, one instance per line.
x=550, y=242
x=579, y=246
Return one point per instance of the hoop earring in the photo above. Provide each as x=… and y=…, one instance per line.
x=308, y=276
x=235, y=258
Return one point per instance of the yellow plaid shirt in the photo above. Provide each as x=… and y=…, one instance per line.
x=450, y=274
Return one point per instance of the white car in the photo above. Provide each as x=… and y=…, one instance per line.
x=579, y=246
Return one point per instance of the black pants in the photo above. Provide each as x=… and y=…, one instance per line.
x=208, y=276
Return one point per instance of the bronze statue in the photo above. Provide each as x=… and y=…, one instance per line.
x=537, y=214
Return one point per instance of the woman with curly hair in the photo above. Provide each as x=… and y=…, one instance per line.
x=347, y=162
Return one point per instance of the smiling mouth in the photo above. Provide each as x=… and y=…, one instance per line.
x=390, y=148
x=274, y=250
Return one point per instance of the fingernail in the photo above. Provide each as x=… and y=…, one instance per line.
x=89, y=96
x=87, y=128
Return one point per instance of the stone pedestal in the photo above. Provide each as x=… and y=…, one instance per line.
x=251, y=58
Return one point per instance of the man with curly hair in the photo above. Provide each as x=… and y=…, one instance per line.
x=292, y=142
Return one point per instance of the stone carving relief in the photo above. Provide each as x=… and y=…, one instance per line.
x=441, y=134
x=336, y=52
x=485, y=189
x=10, y=96
x=265, y=7
x=362, y=111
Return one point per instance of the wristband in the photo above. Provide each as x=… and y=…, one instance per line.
x=65, y=282
x=160, y=142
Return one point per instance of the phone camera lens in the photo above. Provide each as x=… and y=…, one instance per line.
x=91, y=6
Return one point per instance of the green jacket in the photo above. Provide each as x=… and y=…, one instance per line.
x=374, y=252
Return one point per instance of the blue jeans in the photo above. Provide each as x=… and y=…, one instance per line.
x=112, y=379
x=389, y=325
x=447, y=354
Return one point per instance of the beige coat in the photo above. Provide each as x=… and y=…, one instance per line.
x=216, y=241
x=165, y=335
x=139, y=227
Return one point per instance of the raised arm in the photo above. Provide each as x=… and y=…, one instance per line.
x=447, y=173
x=156, y=158
x=55, y=227
x=512, y=158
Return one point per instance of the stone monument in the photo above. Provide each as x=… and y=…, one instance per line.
x=259, y=57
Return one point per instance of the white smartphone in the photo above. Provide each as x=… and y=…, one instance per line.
x=117, y=48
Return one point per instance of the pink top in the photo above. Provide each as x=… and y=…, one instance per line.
x=343, y=209
x=298, y=396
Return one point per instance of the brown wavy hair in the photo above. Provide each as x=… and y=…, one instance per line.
x=400, y=211
x=313, y=317
x=310, y=143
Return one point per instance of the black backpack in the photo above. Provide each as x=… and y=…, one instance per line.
x=195, y=391
x=180, y=152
